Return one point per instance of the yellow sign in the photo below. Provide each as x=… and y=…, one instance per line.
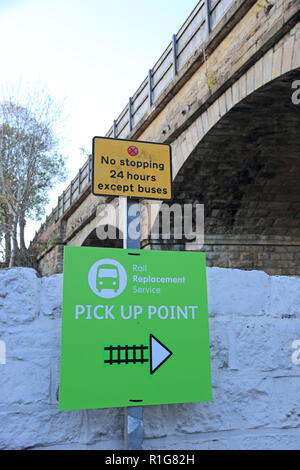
x=131, y=168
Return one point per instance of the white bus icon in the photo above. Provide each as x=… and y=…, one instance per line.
x=107, y=278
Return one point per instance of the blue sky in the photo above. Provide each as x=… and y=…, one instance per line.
x=91, y=54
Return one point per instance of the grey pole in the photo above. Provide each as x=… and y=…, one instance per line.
x=133, y=415
x=207, y=16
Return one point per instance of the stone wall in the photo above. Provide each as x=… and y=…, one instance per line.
x=254, y=320
x=277, y=255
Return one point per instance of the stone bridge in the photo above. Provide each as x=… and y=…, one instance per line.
x=221, y=95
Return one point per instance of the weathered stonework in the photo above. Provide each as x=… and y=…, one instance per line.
x=235, y=143
x=254, y=320
x=276, y=256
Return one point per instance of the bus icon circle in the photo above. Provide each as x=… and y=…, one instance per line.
x=107, y=278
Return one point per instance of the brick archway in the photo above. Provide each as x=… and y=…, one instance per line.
x=246, y=172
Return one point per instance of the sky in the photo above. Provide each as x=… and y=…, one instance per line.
x=91, y=55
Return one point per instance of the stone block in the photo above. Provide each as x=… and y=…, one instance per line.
x=277, y=59
x=258, y=73
x=240, y=401
x=218, y=335
x=287, y=55
x=188, y=142
x=38, y=341
x=235, y=93
x=103, y=424
x=285, y=296
x=238, y=292
x=199, y=126
x=155, y=419
x=19, y=295
x=205, y=123
x=51, y=295
x=286, y=401
x=267, y=66
x=250, y=80
x=228, y=98
x=26, y=427
x=194, y=135
x=263, y=345
x=24, y=382
x=242, y=87
x=296, y=54
x=263, y=440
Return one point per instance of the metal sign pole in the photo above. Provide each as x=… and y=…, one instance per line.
x=133, y=416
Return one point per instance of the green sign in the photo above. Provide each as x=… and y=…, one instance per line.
x=134, y=328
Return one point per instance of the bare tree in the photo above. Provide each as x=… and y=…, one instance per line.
x=29, y=164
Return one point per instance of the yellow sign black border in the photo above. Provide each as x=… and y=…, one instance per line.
x=133, y=142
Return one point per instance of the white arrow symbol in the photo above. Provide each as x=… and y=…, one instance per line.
x=158, y=354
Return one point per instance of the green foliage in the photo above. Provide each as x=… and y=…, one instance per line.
x=211, y=76
x=52, y=171
x=211, y=79
x=266, y=6
x=30, y=164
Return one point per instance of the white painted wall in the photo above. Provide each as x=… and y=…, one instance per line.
x=255, y=333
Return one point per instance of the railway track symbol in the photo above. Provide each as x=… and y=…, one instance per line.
x=155, y=353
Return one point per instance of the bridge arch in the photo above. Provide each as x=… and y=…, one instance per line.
x=279, y=63
x=246, y=171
